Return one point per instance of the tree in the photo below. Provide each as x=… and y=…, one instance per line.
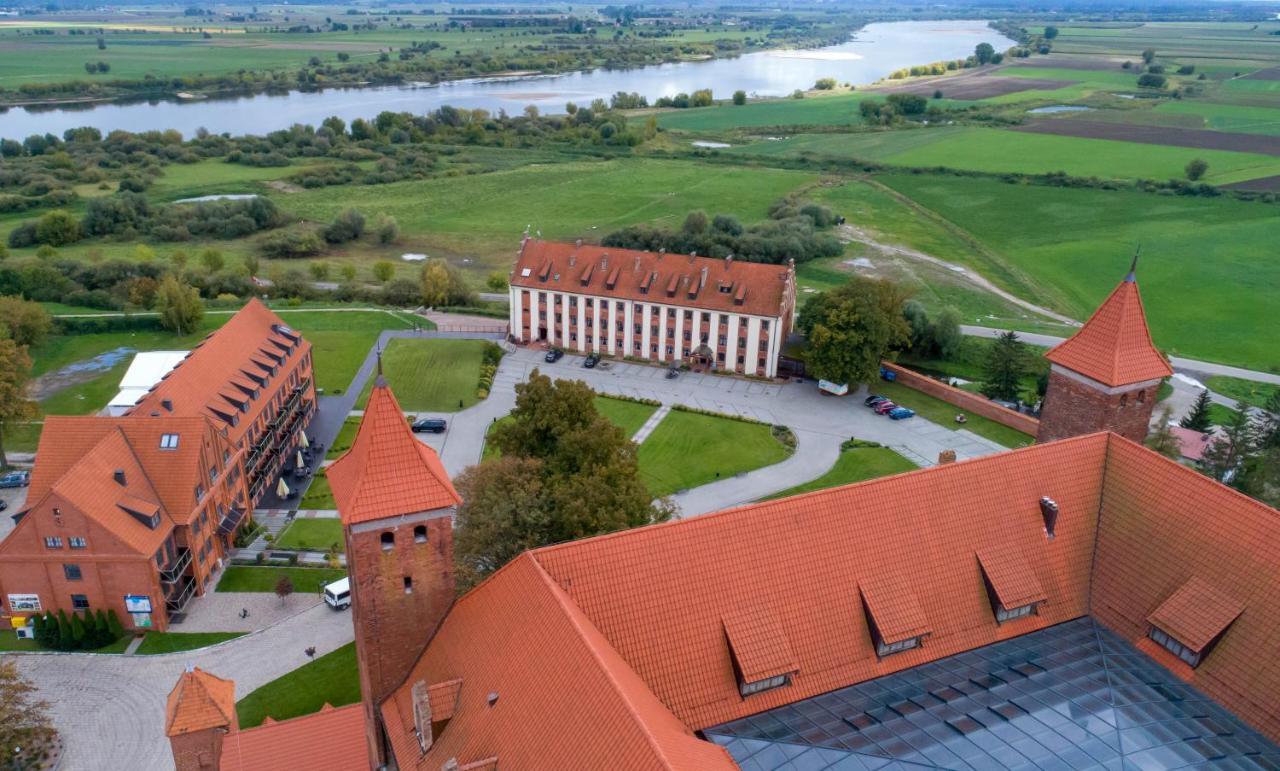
x=1162, y=439
x=1196, y=169
x=497, y=281
x=1269, y=423
x=113, y=625
x=319, y=270
x=1050, y=32
x=28, y=322
x=1198, y=418
x=251, y=265
x=1224, y=455
x=58, y=228
x=347, y=271
x=66, y=641
x=565, y=472
x=284, y=587
x=824, y=84
x=388, y=229
x=1151, y=80
x=212, y=259
x=25, y=728
x=1007, y=363
x=852, y=328
x=442, y=284
x=739, y=97
x=1148, y=56
x=78, y=631
x=179, y=306
x=347, y=226
x=15, y=372
x=984, y=53
x=383, y=270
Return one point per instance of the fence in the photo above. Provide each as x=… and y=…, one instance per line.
x=975, y=403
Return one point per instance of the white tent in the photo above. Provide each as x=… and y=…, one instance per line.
x=146, y=369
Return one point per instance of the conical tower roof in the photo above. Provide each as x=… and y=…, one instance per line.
x=388, y=472
x=200, y=701
x=1114, y=346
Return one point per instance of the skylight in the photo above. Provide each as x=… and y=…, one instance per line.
x=168, y=441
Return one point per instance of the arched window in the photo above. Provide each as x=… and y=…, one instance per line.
x=1142, y=397
x=388, y=540
x=1124, y=399
x=420, y=534
x=408, y=584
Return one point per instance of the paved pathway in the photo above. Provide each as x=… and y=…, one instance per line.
x=643, y=432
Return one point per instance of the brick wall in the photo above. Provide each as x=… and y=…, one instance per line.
x=975, y=403
x=197, y=751
x=1072, y=408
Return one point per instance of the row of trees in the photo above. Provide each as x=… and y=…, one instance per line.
x=129, y=215
x=87, y=631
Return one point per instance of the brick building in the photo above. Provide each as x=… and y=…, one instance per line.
x=1105, y=377
x=136, y=512
x=720, y=314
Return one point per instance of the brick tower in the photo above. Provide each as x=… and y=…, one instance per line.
x=201, y=710
x=397, y=507
x=1105, y=377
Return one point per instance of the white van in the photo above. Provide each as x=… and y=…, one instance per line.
x=338, y=594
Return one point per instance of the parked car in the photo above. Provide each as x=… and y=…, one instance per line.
x=888, y=374
x=901, y=413
x=4, y=505
x=337, y=595
x=553, y=355
x=883, y=407
x=873, y=400
x=431, y=425
x=673, y=373
x=591, y=361
x=16, y=479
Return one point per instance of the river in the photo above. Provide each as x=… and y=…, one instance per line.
x=874, y=51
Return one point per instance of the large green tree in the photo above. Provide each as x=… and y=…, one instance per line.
x=15, y=372
x=28, y=322
x=1007, y=363
x=564, y=472
x=1198, y=418
x=852, y=328
x=1226, y=453
x=179, y=306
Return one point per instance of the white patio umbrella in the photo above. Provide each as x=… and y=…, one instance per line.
x=301, y=463
x=282, y=489
x=303, y=441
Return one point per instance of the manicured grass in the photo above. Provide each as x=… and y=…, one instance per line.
x=431, y=375
x=319, y=495
x=690, y=449
x=1208, y=272
x=250, y=578
x=311, y=535
x=10, y=642
x=944, y=414
x=22, y=437
x=340, y=341
x=1220, y=414
x=1247, y=391
x=342, y=442
x=854, y=465
x=331, y=679
x=88, y=397
x=625, y=414
x=173, y=642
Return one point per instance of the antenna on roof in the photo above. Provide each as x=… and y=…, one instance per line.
x=381, y=380
x=1133, y=268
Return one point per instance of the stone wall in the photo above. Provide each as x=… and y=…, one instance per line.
x=975, y=403
x=1072, y=408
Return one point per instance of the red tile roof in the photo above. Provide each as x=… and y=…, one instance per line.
x=1012, y=579
x=387, y=471
x=895, y=609
x=731, y=286
x=1114, y=346
x=1191, y=443
x=198, y=701
x=759, y=644
x=329, y=740
x=1196, y=614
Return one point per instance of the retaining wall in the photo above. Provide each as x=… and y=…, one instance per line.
x=975, y=403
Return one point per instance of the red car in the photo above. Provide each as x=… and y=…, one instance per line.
x=883, y=407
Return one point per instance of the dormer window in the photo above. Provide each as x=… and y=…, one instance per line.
x=1012, y=587
x=168, y=441
x=1192, y=620
x=894, y=616
x=759, y=686
x=1004, y=614
x=759, y=651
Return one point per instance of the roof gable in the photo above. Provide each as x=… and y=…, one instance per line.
x=895, y=610
x=199, y=701
x=1114, y=346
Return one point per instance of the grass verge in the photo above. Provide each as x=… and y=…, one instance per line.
x=944, y=414
x=331, y=679
x=431, y=375
x=251, y=578
x=173, y=642
x=856, y=464
x=311, y=535
x=690, y=449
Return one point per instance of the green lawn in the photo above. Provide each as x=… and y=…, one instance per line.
x=944, y=414
x=173, y=642
x=342, y=442
x=1068, y=248
x=689, y=449
x=319, y=495
x=22, y=437
x=340, y=341
x=10, y=642
x=250, y=578
x=1247, y=391
x=854, y=465
x=331, y=679
x=431, y=375
x=311, y=535
x=1227, y=117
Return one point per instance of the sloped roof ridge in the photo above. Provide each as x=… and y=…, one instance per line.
x=113, y=434
x=999, y=457
x=1124, y=302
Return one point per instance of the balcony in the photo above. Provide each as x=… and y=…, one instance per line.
x=177, y=596
x=231, y=519
x=174, y=571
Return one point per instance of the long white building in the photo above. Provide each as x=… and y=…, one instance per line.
x=708, y=313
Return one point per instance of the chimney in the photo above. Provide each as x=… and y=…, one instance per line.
x=1049, y=510
x=604, y=262
x=119, y=477
x=577, y=244
x=661, y=251
x=728, y=262
x=946, y=456
x=573, y=258
x=693, y=255
x=636, y=269
x=702, y=280
x=167, y=404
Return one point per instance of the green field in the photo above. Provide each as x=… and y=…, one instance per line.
x=431, y=375
x=311, y=535
x=173, y=642
x=330, y=679
x=1208, y=273
x=22, y=437
x=318, y=496
x=1227, y=117
x=247, y=578
x=689, y=449
x=625, y=414
x=857, y=464
x=1248, y=391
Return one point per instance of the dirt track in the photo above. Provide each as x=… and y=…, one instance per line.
x=1156, y=135
x=1261, y=185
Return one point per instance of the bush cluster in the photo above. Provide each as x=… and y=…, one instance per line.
x=489, y=361
x=87, y=631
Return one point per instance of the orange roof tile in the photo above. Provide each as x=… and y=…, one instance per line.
x=387, y=471
x=328, y=740
x=443, y=698
x=1196, y=614
x=894, y=607
x=758, y=644
x=1011, y=578
x=732, y=286
x=1114, y=346
x=198, y=701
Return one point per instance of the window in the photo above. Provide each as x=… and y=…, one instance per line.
x=688, y=315
x=79, y=543
x=388, y=541
x=80, y=601
x=213, y=474
x=1142, y=397
x=764, y=325
x=1176, y=648
x=199, y=492
x=1124, y=399
x=670, y=350
x=1004, y=614
x=723, y=340
x=671, y=313
x=408, y=584
x=420, y=534
x=71, y=572
x=888, y=649
x=53, y=542
x=653, y=348
x=168, y=441
x=746, y=689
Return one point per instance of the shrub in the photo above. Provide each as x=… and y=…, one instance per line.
x=347, y=226
x=23, y=235
x=739, y=97
x=388, y=229
x=58, y=228
x=825, y=84
x=290, y=244
x=1149, y=80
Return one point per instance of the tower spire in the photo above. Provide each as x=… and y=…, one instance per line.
x=1133, y=268
x=381, y=381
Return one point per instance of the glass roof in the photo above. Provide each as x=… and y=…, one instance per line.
x=1073, y=696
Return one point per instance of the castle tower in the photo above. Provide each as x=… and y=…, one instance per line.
x=397, y=507
x=200, y=711
x=1105, y=377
